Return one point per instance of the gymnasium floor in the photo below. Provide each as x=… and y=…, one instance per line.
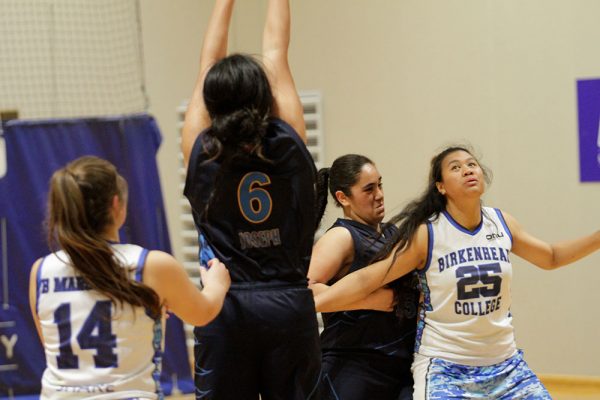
x=555, y=396
x=561, y=387
x=561, y=392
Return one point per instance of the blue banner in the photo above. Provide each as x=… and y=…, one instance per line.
x=31, y=152
x=588, y=100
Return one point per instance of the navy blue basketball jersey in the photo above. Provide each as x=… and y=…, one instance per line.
x=389, y=333
x=258, y=216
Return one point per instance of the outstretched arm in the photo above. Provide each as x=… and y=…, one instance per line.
x=361, y=283
x=550, y=256
x=276, y=40
x=214, y=48
x=197, y=307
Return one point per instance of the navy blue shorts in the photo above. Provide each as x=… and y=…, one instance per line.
x=359, y=376
x=265, y=341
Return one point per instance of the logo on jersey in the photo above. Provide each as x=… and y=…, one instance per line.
x=494, y=236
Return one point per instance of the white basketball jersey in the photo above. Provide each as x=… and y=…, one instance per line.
x=465, y=314
x=95, y=350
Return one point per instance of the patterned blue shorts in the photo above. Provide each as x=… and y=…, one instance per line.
x=508, y=380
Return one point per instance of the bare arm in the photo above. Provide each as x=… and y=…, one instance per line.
x=359, y=284
x=198, y=307
x=33, y=297
x=214, y=48
x=276, y=40
x=332, y=255
x=550, y=256
x=381, y=299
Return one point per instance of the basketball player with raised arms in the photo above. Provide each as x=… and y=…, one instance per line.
x=367, y=347
x=251, y=185
x=99, y=305
x=465, y=345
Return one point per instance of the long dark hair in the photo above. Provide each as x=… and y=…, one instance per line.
x=79, y=201
x=429, y=205
x=238, y=98
x=342, y=175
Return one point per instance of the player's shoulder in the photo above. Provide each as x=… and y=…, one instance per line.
x=160, y=265
x=422, y=239
x=337, y=234
x=35, y=268
x=283, y=138
x=128, y=253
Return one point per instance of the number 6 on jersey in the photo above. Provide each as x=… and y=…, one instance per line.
x=253, y=200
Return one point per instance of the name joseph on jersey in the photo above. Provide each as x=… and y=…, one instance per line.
x=260, y=239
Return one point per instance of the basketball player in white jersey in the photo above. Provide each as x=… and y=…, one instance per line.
x=465, y=346
x=99, y=305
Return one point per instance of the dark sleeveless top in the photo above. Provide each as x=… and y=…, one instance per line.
x=388, y=333
x=257, y=216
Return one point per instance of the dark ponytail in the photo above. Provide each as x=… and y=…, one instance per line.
x=79, y=204
x=345, y=172
x=238, y=98
x=322, y=183
x=238, y=133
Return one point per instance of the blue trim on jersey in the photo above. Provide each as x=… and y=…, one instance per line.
x=462, y=228
x=424, y=306
x=157, y=358
x=139, y=269
x=429, y=246
x=501, y=217
x=206, y=252
x=427, y=375
x=38, y=278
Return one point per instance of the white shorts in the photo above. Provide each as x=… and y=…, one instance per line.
x=511, y=379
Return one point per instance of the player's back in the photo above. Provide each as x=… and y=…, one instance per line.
x=258, y=215
x=95, y=350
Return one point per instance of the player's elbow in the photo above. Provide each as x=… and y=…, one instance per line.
x=547, y=266
x=549, y=263
x=211, y=311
